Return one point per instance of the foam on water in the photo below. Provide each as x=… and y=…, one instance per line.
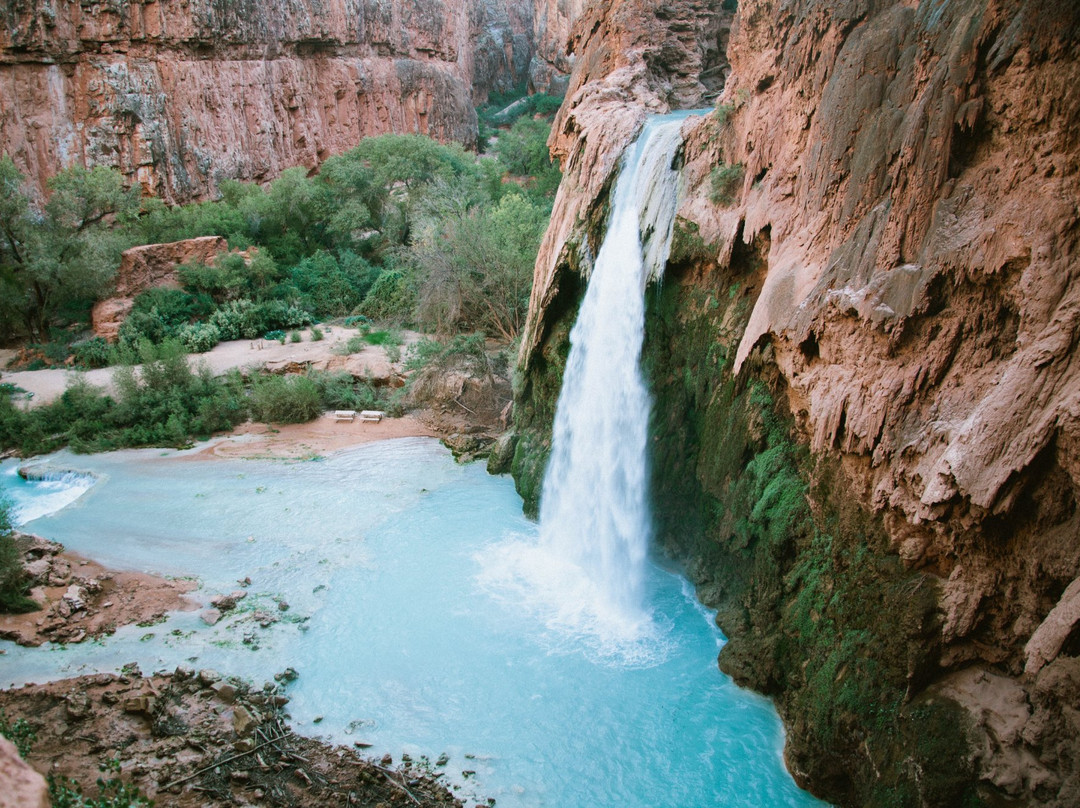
x=594, y=513
x=46, y=491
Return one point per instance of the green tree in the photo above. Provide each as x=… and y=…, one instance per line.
x=13, y=579
x=64, y=252
x=475, y=264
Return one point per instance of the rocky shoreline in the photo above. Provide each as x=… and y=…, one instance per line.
x=194, y=738
x=80, y=599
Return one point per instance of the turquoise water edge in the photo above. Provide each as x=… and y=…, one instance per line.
x=410, y=624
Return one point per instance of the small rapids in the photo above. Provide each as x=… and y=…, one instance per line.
x=35, y=491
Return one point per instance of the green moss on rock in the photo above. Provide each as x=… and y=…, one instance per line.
x=819, y=612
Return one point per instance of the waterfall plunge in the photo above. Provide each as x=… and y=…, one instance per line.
x=594, y=510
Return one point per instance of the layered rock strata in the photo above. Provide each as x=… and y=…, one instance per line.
x=864, y=355
x=181, y=95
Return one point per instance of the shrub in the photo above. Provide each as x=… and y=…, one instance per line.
x=92, y=353
x=330, y=287
x=339, y=391
x=149, y=325
x=237, y=319
x=316, y=334
x=13, y=580
x=19, y=732
x=383, y=338
x=199, y=337
x=285, y=399
x=392, y=297
x=112, y=791
x=295, y=337
x=724, y=184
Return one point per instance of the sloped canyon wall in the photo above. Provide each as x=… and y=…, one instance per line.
x=180, y=94
x=865, y=433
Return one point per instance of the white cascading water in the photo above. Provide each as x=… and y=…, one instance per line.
x=594, y=509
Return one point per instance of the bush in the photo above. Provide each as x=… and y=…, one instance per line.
x=112, y=791
x=19, y=732
x=725, y=181
x=237, y=319
x=316, y=334
x=285, y=400
x=392, y=297
x=339, y=391
x=330, y=287
x=13, y=581
x=92, y=353
x=199, y=337
x=295, y=337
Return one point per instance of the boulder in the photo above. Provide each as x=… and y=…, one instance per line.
x=75, y=598
x=20, y=786
x=502, y=453
x=147, y=267
x=211, y=616
x=224, y=691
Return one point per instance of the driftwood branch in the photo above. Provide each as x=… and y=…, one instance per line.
x=214, y=765
x=390, y=779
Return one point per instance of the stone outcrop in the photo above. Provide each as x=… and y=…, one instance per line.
x=181, y=95
x=877, y=256
x=20, y=785
x=552, y=61
x=149, y=266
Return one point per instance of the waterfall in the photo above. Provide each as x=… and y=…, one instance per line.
x=594, y=508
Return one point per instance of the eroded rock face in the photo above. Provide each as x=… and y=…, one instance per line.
x=148, y=266
x=899, y=218
x=181, y=95
x=632, y=58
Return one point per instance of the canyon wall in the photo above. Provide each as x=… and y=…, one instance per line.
x=866, y=426
x=181, y=94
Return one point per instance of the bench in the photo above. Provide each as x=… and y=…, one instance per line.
x=372, y=415
x=344, y=415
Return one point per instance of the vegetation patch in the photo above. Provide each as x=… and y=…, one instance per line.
x=819, y=612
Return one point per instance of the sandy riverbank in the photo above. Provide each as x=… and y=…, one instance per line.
x=43, y=386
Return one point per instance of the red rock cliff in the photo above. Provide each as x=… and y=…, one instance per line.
x=179, y=94
x=908, y=176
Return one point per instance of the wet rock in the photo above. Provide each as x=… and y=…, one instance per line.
x=224, y=691
x=208, y=676
x=211, y=616
x=264, y=618
x=283, y=605
x=502, y=453
x=227, y=603
x=183, y=673
x=287, y=675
